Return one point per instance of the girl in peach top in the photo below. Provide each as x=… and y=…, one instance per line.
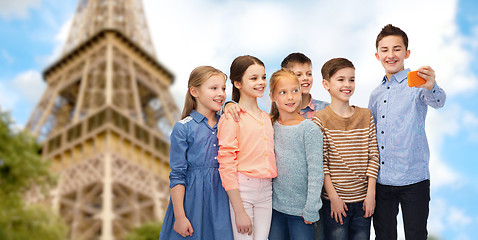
x=246, y=153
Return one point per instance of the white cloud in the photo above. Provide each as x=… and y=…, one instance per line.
x=30, y=85
x=17, y=8
x=6, y=57
x=8, y=98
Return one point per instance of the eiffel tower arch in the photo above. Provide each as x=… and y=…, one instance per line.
x=105, y=120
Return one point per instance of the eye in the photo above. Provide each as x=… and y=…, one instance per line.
x=298, y=75
x=309, y=74
x=352, y=80
x=224, y=89
x=254, y=78
x=214, y=88
x=295, y=90
x=282, y=92
x=263, y=77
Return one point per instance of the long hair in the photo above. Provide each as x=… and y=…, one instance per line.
x=197, y=77
x=275, y=78
x=238, y=68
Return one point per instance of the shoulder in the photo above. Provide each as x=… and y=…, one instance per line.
x=185, y=120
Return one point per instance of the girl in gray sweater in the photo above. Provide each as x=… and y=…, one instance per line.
x=298, y=146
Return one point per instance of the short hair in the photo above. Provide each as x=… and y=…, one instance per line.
x=390, y=30
x=238, y=68
x=294, y=58
x=334, y=65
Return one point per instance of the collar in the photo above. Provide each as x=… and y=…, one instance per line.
x=310, y=105
x=199, y=117
x=399, y=77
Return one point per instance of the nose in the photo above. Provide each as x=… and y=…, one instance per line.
x=289, y=95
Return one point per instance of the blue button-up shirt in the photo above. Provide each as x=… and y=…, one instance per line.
x=399, y=112
x=194, y=145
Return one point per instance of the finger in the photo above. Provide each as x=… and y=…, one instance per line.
x=341, y=221
x=345, y=207
x=250, y=231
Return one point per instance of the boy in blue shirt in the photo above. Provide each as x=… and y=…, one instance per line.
x=399, y=112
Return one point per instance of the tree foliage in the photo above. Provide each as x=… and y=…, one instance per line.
x=147, y=231
x=21, y=168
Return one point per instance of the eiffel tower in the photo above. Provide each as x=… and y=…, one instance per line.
x=105, y=120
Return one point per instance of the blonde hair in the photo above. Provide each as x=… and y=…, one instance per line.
x=275, y=78
x=197, y=77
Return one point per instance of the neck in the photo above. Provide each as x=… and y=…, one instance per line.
x=306, y=98
x=289, y=118
x=249, y=103
x=342, y=108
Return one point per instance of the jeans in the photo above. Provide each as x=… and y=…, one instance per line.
x=414, y=200
x=289, y=227
x=256, y=195
x=355, y=226
x=319, y=226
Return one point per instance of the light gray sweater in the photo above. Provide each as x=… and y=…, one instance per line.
x=300, y=174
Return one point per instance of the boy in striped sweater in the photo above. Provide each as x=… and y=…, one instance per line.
x=351, y=157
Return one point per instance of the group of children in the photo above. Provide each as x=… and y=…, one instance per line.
x=309, y=169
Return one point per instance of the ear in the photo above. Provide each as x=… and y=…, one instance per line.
x=194, y=91
x=407, y=54
x=237, y=84
x=377, y=56
x=272, y=97
x=325, y=83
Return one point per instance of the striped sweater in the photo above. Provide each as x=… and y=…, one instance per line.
x=350, y=151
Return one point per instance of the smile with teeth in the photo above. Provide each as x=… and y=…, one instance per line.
x=290, y=104
x=260, y=89
x=218, y=101
x=305, y=85
x=346, y=91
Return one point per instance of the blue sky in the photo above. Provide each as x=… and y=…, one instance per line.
x=185, y=34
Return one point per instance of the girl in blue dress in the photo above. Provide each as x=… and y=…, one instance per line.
x=199, y=206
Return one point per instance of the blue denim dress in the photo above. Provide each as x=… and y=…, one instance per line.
x=193, y=162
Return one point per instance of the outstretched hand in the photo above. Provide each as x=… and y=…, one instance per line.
x=427, y=73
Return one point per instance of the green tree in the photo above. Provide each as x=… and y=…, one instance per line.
x=21, y=168
x=147, y=231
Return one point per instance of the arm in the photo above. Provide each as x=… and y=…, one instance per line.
x=372, y=170
x=369, y=202
x=178, y=164
x=313, y=151
x=433, y=96
x=227, y=155
x=243, y=222
x=181, y=224
x=337, y=205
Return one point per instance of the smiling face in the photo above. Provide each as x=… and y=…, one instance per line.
x=391, y=52
x=303, y=71
x=210, y=95
x=253, y=82
x=341, y=85
x=286, y=94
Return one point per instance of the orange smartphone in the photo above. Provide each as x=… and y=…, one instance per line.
x=414, y=80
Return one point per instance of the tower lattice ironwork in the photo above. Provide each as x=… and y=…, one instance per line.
x=105, y=120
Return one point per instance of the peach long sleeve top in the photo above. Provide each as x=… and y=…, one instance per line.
x=247, y=147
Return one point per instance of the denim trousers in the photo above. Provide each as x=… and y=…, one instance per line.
x=414, y=200
x=256, y=195
x=289, y=227
x=354, y=227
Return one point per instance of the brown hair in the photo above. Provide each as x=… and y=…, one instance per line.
x=295, y=58
x=275, y=78
x=197, y=77
x=390, y=30
x=238, y=68
x=334, y=65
